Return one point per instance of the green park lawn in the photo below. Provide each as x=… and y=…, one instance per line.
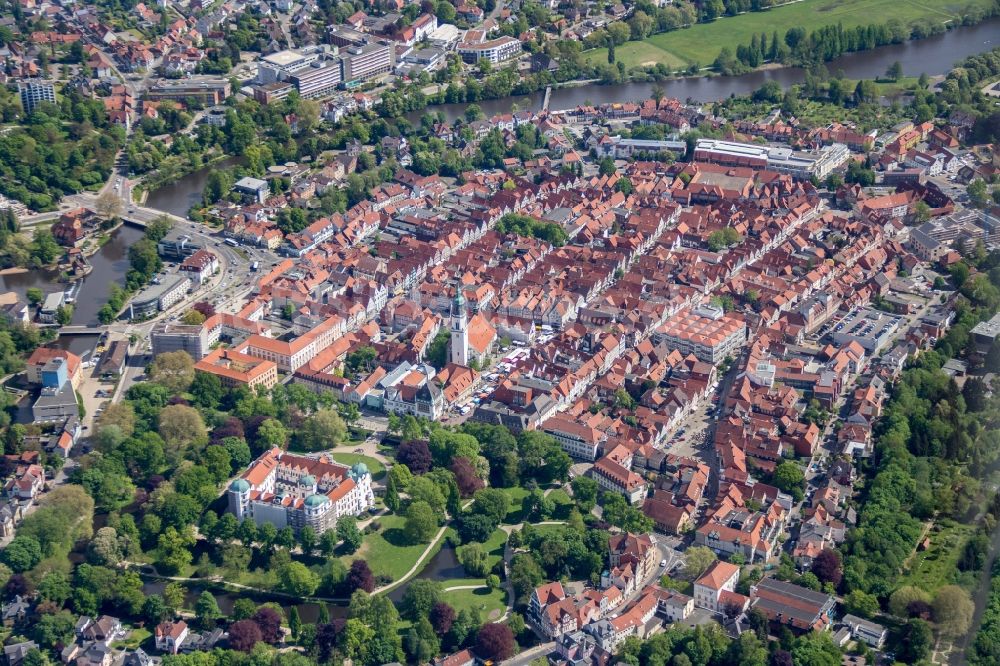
x=701, y=43
x=930, y=569
x=517, y=496
x=562, y=502
x=490, y=604
x=388, y=552
x=636, y=54
x=376, y=468
x=494, y=547
x=548, y=529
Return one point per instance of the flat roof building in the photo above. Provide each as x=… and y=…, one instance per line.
x=985, y=332
x=55, y=404
x=320, y=80
x=798, y=164
x=252, y=188
x=366, y=61
x=159, y=297
x=196, y=340
x=282, y=64
x=495, y=50
x=35, y=92
x=176, y=246
x=206, y=91
x=870, y=328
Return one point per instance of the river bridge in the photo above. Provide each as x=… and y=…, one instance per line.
x=81, y=330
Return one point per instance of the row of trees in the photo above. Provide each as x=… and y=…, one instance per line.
x=931, y=439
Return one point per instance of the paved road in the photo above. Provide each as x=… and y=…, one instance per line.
x=526, y=657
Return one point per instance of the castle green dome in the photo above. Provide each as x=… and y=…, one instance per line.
x=240, y=486
x=314, y=501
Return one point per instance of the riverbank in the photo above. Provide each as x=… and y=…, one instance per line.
x=179, y=195
x=154, y=180
x=701, y=43
x=934, y=56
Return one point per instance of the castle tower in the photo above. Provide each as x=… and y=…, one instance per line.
x=459, y=331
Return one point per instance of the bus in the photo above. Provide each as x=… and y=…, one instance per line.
x=255, y=265
x=230, y=241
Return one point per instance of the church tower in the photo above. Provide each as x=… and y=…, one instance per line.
x=459, y=331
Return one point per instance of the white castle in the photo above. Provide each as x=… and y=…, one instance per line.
x=288, y=490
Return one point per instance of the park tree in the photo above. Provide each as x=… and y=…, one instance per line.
x=697, y=560
x=902, y=598
x=917, y=641
x=120, y=415
x=244, y=634
x=865, y=91
x=420, y=597
x=476, y=527
x=173, y=549
x=108, y=204
x=105, y=549
x=416, y=455
x=585, y=491
x=789, y=478
x=348, y=532
x=181, y=427
x=391, y=498
x=21, y=554
x=271, y=434
x=322, y=430
x=174, y=370
x=421, y=522
x=495, y=642
x=474, y=559
x=442, y=616
x=465, y=476
x=297, y=579
x=154, y=609
x=861, y=603
x=207, y=390
x=206, y=609
x=269, y=621
x=953, y=610
x=826, y=566
x=492, y=503
x=360, y=577
x=978, y=193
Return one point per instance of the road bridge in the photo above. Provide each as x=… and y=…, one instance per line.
x=81, y=330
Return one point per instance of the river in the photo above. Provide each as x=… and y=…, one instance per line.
x=932, y=56
x=110, y=264
x=178, y=197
